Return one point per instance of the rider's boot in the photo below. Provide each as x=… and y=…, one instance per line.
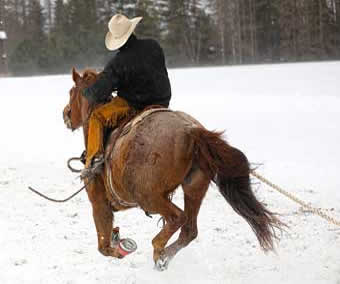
x=94, y=167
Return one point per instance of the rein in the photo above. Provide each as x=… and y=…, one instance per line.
x=58, y=200
x=74, y=96
x=74, y=194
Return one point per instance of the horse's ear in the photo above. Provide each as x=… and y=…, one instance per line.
x=75, y=75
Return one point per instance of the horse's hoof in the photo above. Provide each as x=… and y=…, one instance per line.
x=162, y=263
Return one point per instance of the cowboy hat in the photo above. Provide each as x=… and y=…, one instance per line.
x=120, y=29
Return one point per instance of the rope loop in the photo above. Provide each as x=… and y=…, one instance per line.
x=316, y=211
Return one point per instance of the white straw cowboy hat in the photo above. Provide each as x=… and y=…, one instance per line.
x=120, y=29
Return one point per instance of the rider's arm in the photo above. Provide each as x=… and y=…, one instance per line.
x=106, y=83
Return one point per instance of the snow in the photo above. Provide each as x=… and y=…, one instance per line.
x=284, y=117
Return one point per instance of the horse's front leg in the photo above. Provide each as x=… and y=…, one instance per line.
x=103, y=217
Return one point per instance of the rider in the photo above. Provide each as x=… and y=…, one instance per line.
x=139, y=76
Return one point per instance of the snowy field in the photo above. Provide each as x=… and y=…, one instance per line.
x=284, y=117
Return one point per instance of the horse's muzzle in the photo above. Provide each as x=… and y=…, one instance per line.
x=67, y=117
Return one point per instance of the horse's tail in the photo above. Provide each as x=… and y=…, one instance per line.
x=228, y=167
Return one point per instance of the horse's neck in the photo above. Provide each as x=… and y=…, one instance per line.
x=85, y=132
x=85, y=114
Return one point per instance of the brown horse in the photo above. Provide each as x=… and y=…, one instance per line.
x=160, y=153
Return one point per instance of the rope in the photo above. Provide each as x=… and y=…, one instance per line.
x=57, y=200
x=73, y=170
x=114, y=194
x=316, y=211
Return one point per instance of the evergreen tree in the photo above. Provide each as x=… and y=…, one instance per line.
x=149, y=27
x=176, y=29
x=48, y=4
x=161, y=16
x=83, y=26
x=31, y=53
x=268, y=28
x=191, y=32
x=337, y=28
x=60, y=39
x=13, y=24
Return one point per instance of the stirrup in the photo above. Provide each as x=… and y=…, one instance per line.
x=95, y=168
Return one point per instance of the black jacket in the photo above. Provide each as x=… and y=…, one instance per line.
x=137, y=72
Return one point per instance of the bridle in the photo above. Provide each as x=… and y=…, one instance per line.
x=75, y=93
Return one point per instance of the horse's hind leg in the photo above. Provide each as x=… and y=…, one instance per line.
x=103, y=217
x=174, y=219
x=195, y=188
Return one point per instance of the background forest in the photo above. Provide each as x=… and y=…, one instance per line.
x=51, y=36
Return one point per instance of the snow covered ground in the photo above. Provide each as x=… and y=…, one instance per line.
x=284, y=117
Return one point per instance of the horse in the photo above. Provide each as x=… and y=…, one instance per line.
x=165, y=150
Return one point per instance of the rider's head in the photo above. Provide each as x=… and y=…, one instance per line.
x=120, y=30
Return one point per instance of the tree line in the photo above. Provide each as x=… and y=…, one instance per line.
x=51, y=36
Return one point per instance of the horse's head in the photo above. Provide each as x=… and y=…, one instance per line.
x=77, y=110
